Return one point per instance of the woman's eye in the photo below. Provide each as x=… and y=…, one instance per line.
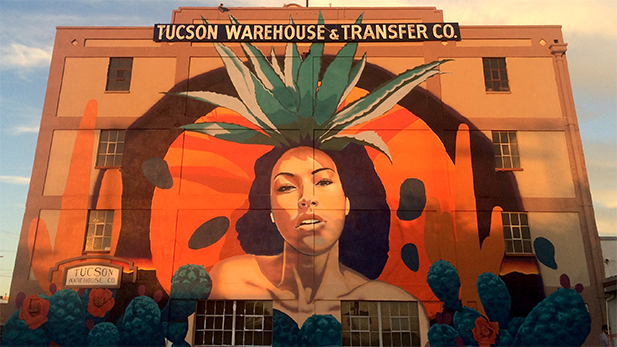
x=324, y=182
x=285, y=188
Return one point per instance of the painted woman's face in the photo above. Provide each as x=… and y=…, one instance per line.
x=308, y=202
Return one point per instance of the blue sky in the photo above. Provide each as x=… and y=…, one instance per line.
x=27, y=30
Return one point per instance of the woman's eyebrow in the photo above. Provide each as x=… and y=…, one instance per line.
x=321, y=169
x=284, y=174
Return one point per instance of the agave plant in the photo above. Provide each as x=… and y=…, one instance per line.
x=277, y=99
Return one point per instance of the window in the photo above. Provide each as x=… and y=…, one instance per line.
x=495, y=75
x=98, y=232
x=111, y=146
x=233, y=323
x=380, y=323
x=505, y=146
x=516, y=232
x=119, y=74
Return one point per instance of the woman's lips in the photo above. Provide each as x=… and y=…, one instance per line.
x=309, y=221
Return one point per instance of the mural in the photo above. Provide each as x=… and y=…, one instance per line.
x=306, y=179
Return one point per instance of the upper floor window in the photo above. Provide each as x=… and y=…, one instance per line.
x=111, y=146
x=380, y=323
x=505, y=146
x=495, y=75
x=119, y=74
x=98, y=232
x=516, y=232
x=233, y=323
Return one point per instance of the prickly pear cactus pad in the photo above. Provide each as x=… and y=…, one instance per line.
x=464, y=322
x=67, y=319
x=320, y=330
x=17, y=333
x=561, y=319
x=442, y=335
x=141, y=322
x=495, y=298
x=445, y=283
x=189, y=284
x=103, y=334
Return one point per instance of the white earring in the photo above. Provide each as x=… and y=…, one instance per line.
x=272, y=217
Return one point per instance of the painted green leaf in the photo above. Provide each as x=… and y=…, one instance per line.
x=232, y=132
x=354, y=77
x=308, y=76
x=334, y=83
x=381, y=100
x=365, y=138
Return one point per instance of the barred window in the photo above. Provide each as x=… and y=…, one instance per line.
x=111, y=147
x=119, y=74
x=516, y=232
x=495, y=75
x=505, y=146
x=98, y=231
x=380, y=323
x=233, y=323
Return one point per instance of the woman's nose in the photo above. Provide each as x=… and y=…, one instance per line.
x=308, y=201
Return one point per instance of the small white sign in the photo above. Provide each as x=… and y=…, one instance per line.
x=93, y=276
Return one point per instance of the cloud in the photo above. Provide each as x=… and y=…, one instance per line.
x=15, y=180
x=25, y=129
x=18, y=55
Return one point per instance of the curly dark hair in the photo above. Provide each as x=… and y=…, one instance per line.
x=364, y=242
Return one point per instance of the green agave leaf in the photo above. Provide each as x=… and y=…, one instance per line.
x=266, y=74
x=354, y=77
x=365, y=138
x=231, y=132
x=275, y=65
x=292, y=66
x=308, y=77
x=244, y=82
x=380, y=100
x=334, y=83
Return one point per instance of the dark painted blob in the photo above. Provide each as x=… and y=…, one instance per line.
x=157, y=172
x=209, y=232
x=545, y=252
x=413, y=199
x=409, y=254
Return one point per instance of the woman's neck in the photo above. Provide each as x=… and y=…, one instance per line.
x=306, y=274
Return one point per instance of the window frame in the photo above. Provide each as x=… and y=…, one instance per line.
x=91, y=227
x=512, y=226
x=495, y=73
x=508, y=151
x=220, y=320
x=113, y=83
x=382, y=311
x=117, y=152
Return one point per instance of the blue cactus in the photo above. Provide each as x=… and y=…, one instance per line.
x=321, y=330
x=445, y=283
x=17, y=333
x=67, y=319
x=561, y=319
x=442, y=335
x=189, y=284
x=514, y=325
x=495, y=298
x=176, y=332
x=103, y=334
x=141, y=323
x=505, y=339
x=464, y=322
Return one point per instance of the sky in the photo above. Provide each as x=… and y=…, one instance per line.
x=27, y=31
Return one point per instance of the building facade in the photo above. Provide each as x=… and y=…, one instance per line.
x=333, y=176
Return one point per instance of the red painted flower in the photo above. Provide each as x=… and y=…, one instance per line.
x=101, y=302
x=34, y=311
x=485, y=332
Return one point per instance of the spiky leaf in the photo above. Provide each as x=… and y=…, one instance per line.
x=365, y=138
x=354, y=77
x=232, y=132
x=309, y=75
x=382, y=99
